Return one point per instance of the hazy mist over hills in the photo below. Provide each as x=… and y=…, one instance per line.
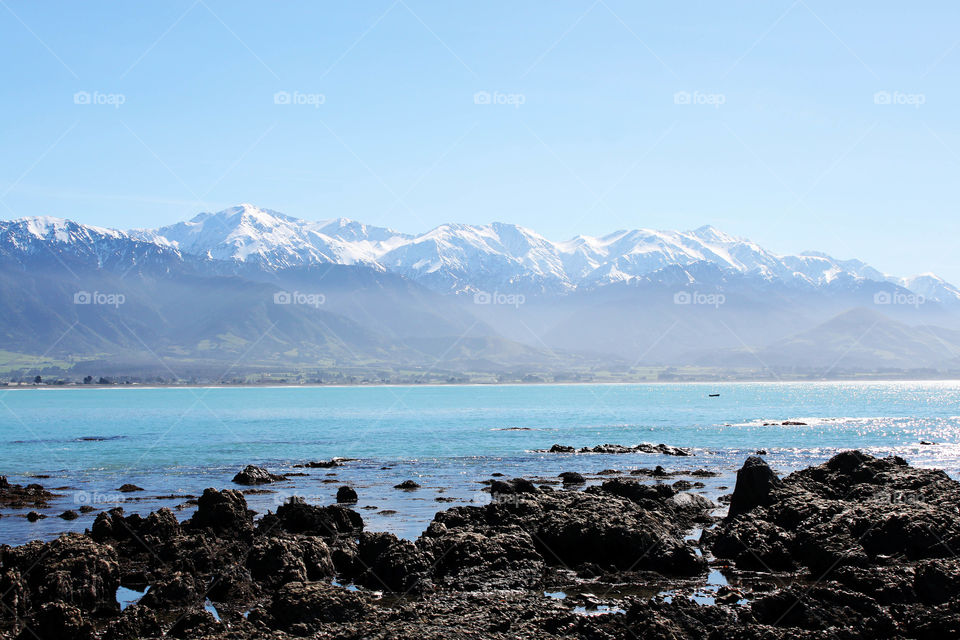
x=249, y=290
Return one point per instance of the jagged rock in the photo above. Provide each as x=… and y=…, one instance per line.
x=196, y=624
x=307, y=605
x=296, y=516
x=135, y=622
x=253, y=475
x=175, y=590
x=224, y=512
x=322, y=464
x=407, y=485
x=278, y=560
x=18, y=496
x=512, y=487
x=73, y=568
x=852, y=511
x=756, y=484
x=58, y=620
x=643, y=447
x=346, y=495
x=393, y=564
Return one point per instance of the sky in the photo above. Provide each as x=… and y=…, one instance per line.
x=798, y=124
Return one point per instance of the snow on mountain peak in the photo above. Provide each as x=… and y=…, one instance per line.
x=458, y=257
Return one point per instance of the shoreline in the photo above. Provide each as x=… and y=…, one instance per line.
x=275, y=385
x=543, y=558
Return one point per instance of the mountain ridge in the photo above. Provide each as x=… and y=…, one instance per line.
x=463, y=259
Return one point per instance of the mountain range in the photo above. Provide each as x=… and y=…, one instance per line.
x=247, y=289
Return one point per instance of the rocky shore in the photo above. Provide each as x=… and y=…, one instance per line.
x=858, y=547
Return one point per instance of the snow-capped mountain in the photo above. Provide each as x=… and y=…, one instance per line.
x=458, y=258
x=46, y=239
x=205, y=291
x=461, y=258
x=273, y=240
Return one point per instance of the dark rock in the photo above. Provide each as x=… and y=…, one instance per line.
x=33, y=516
x=346, y=495
x=407, y=485
x=224, y=512
x=129, y=488
x=58, y=620
x=393, y=564
x=69, y=515
x=512, y=487
x=559, y=448
x=135, y=622
x=195, y=624
x=296, y=516
x=18, y=496
x=613, y=532
x=73, y=568
x=572, y=477
x=644, y=447
x=844, y=518
x=278, y=561
x=175, y=590
x=323, y=464
x=308, y=605
x=253, y=475
x=756, y=484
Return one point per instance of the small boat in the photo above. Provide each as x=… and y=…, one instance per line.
x=713, y=395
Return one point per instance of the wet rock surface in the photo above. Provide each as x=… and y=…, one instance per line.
x=253, y=475
x=18, y=496
x=858, y=547
x=643, y=447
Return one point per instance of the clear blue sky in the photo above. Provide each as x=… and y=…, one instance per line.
x=799, y=155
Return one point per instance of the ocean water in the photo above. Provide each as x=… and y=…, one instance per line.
x=174, y=442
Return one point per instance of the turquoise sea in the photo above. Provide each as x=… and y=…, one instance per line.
x=173, y=442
